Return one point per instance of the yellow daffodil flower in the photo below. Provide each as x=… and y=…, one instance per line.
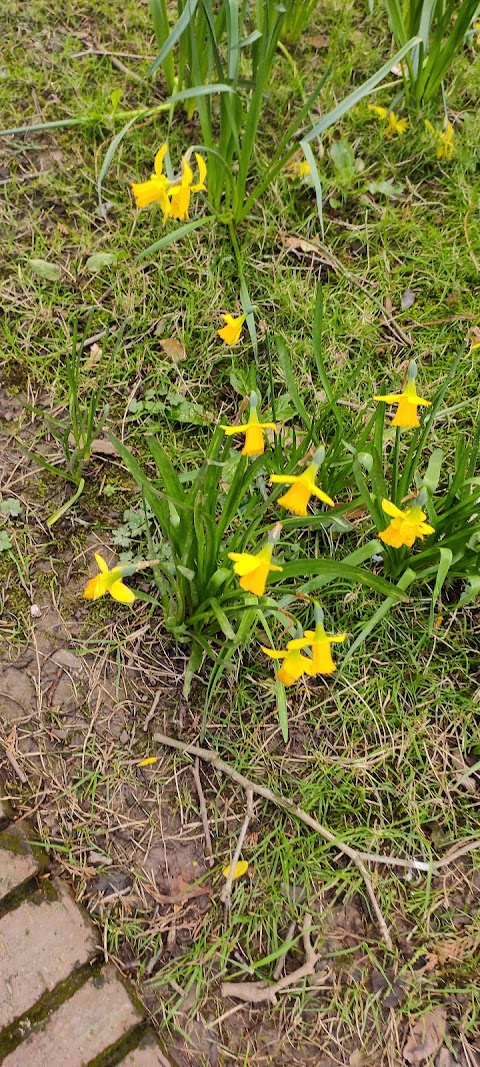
x=294, y=663
x=253, y=429
x=405, y=527
x=443, y=139
x=230, y=333
x=240, y=868
x=320, y=643
x=406, y=416
x=180, y=193
x=155, y=189
x=253, y=568
x=297, y=168
x=173, y=196
x=393, y=125
x=302, y=487
x=108, y=581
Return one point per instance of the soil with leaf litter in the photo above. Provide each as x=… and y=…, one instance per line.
x=81, y=699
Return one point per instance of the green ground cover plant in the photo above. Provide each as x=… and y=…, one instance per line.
x=384, y=751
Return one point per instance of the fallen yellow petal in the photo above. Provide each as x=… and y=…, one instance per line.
x=240, y=868
x=148, y=761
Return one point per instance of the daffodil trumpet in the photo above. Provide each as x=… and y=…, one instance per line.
x=406, y=416
x=231, y=332
x=405, y=526
x=320, y=644
x=253, y=568
x=254, y=430
x=303, y=487
x=294, y=663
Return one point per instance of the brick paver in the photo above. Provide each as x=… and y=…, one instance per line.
x=41, y=942
x=17, y=861
x=97, y=1016
x=53, y=1014
x=147, y=1054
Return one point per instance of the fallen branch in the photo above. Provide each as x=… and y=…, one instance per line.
x=227, y=889
x=256, y=992
x=287, y=805
x=203, y=813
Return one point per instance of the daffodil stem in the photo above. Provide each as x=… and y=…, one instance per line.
x=396, y=456
x=244, y=293
x=68, y=504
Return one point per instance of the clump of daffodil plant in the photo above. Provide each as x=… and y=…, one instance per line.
x=233, y=558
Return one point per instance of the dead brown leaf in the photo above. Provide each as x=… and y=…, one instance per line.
x=94, y=357
x=445, y=1058
x=298, y=246
x=426, y=1036
x=320, y=41
x=102, y=447
x=173, y=348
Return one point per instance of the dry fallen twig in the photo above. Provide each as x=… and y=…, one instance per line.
x=256, y=992
x=203, y=813
x=227, y=889
x=8, y=746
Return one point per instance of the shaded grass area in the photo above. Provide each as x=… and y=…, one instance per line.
x=374, y=754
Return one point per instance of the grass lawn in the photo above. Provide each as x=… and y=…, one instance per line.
x=385, y=753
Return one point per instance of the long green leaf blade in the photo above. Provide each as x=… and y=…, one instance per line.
x=174, y=35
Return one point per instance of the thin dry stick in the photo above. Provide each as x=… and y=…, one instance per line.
x=13, y=763
x=281, y=959
x=288, y=805
x=227, y=889
x=203, y=813
x=255, y=992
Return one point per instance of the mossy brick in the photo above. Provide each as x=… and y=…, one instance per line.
x=98, y=1015
x=5, y=813
x=147, y=1054
x=41, y=942
x=18, y=861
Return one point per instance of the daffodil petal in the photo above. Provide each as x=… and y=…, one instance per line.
x=391, y=509
x=240, y=868
x=230, y=430
x=187, y=174
x=315, y=491
x=159, y=158
x=119, y=591
x=245, y=564
x=102, y=566
x=281, y=479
